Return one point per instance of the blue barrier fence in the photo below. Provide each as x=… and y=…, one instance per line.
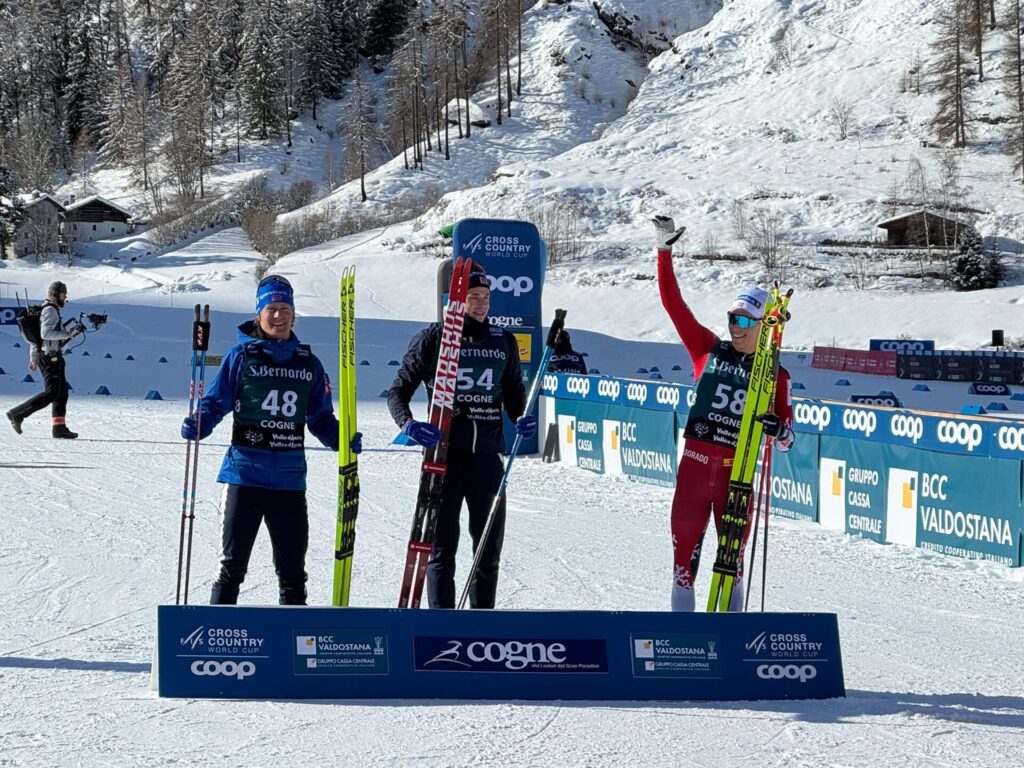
x=948, y=483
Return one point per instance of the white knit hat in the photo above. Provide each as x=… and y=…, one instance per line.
x=751, y=300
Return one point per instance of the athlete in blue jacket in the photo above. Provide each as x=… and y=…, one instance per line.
x=275, y=387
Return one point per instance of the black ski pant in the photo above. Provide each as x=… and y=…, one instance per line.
x=284, y=512
x=55, y=388
x=473, y=478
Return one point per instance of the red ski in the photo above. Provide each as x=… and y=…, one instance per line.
x=442, y=406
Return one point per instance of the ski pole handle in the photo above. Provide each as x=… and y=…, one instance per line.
x=201, y=330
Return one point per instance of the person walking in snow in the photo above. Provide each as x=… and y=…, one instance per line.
x=275, y=387
x=49, y=359
x=721, y=369
x=489, y=379
x=566, y=359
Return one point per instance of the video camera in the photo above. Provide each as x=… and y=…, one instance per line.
x=77, y=324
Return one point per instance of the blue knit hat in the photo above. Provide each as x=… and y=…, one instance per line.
x=273, y=289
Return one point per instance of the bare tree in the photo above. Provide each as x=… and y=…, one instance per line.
x=839, y=112
x=360, y=131
x=1014, y=64
x=951, y=80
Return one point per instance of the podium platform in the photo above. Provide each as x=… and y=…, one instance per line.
x=273, y=652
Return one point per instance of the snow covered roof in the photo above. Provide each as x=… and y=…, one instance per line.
x=28, y=200
x=97, y=198
x=929, y=211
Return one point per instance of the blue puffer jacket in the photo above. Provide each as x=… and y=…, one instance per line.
x=262, y=467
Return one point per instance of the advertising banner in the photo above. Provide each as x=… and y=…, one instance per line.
x=920, y=367
x=901, y=345
x=953, y=504
x=642, y=445
x=580, y=433
x=795, y=480
x=275, y=652
x=8, y=315
x=851, y=487
x=511, y=253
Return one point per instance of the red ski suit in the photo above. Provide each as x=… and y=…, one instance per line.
x=703, y=476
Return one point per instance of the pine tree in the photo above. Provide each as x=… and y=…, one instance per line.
x=383, y=23
x=968, y=270
x=261, y=69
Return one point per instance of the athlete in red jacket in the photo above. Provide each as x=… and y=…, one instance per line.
x=721, y=369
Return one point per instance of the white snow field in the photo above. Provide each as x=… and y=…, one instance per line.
x=932, y=650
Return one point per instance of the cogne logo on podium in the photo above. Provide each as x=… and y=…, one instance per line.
x=465, y=654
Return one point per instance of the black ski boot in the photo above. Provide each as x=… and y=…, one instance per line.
x=61, y=431
x=15, y=421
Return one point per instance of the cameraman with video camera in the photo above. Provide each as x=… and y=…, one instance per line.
x=49, y=359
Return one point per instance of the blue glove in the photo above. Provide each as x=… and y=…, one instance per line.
x=526, y=426
x=422, y=432
x=189, y=430
x=356, y=443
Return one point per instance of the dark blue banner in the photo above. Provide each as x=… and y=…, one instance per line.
x=512, y=254
x=274, y=652
x=901, y=345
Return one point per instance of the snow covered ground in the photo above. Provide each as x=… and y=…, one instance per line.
x=931, y=644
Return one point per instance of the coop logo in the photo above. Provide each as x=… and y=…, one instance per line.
x=577, y=385
x=959, y=433
x=1010, y=438
x=193, y=638
x=860, y=421
x=517, y=286
x=883, y=400
x=901, y=425
x=636, y=393
x=550, y=383
x=902, y=346
x=475, y=244
x=667, y=396
x=609, y=388
x=990, y=389
x=691, y=397
x=801, y=672
x=8, y=316
x=814, y=415
x=237, y=669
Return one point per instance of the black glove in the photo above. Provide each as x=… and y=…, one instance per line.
x=774, y=427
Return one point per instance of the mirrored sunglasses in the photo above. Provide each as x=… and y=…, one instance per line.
x=741, y=320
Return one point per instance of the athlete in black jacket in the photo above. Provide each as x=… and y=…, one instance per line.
x=489, y=379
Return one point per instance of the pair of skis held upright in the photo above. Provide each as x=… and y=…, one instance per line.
x=442, y=406
x=764, y=376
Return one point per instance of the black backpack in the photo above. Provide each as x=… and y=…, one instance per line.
x=28, y=323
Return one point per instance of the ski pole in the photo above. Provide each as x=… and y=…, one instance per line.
x=531, y=401
x=200, y=344
x=764, y=556
x=188, y=460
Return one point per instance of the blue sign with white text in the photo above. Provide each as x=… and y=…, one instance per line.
x=513, y=256
x=274, y=652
